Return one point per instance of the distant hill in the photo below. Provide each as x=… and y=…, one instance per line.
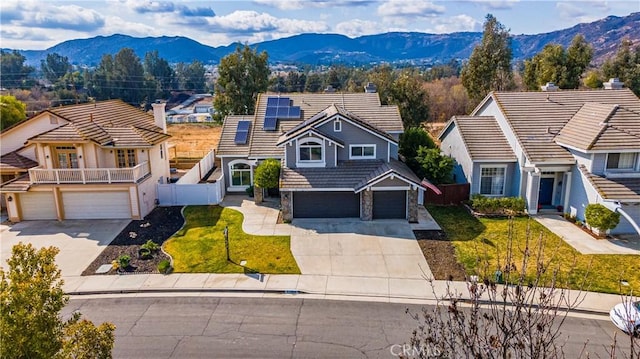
x=315, y=49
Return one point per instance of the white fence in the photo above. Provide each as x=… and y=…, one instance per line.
x=189, y=192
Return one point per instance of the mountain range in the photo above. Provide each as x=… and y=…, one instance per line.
x=322, y=49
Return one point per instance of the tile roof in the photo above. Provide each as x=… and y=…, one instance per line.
x=348, y=174
x=107, y=123
x=621, y=189
x=483, y=138
x=537, y=117
x=364, y=106
x=20, y=184
x=227, y=144
x=13, y=161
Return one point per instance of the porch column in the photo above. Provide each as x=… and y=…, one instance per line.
x=286, y=201
x=366, y=205
x=48, y=156
x=80, y=153
x=11, y=200
x=258, y=194
x=413, y=205
x=533, y=187
x=567, y=191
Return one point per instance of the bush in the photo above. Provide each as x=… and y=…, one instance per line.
x=249, y=191
x=164, y=266
x=498, y=205
x=267, y=174
x=123, y=261
x=600, y=217
x=144, y=253
x=151, y=246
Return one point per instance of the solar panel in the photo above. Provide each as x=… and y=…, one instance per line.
x=242, y=132
x=284, y=102
x=272, y=101
x=294, y=112
x=270, y=123
x=243, y=125
x=271, y=111
x=283, y=112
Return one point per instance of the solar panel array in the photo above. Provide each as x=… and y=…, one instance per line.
x=279, y=108
x=242, y=132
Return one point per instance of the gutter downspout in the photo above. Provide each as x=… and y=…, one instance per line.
x=616, y=207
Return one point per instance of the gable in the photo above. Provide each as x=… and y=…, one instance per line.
x=16, y=136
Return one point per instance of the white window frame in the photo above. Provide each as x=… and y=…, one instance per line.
x=363, y=157
x=634, y=163
x=310, y=142
x=231, y=170
x=337, y=126
x=504, y=181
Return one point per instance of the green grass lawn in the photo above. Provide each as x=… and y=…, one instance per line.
x=481, y=246
x=199, y=246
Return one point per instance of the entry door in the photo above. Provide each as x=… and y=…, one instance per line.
x=546, y=191
x=67, y=157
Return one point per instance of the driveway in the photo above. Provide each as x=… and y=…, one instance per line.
x=79, y=241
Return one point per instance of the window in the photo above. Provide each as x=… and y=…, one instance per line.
x=240, y=174
x=310, y=151
x=362, y=151
x=337, y=126
x=492, y=181
x=621, y=161
x=126, y=158
x=67, y=157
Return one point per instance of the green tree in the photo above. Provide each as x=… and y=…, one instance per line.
x=489, y=66
x=128, y=76
x=31, y=298
x=12, y=111
x=314, y=83
x=411, y=98
x=242, y=75
x=159, y=76
x=411, y=140
x=83, y=340
x=435, y=166
x=593, y=80
x=15, y=74
x=383, y=77
x=191, y=76
x=54, y=67
x=625, y=65
x=267, y=174
x=103, y=82
x=579, y=56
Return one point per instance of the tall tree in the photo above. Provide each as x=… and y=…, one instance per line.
x=31, y=298
x=579, y=56
x=314, y=83
x=15, y=74
x=412, y=99
x=129, y=76
x=242, y=75
x=383, y=77
x=625, y=65
x=159, y=76
x=489, y=67
x=191, y=76
x=12, y=111
x=103, y=86
x=54, y=67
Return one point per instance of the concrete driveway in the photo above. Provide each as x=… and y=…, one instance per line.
x=79, y=241
x=350, y=247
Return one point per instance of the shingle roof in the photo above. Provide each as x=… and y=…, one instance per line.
x=364, y=106
x=107, y=123
x=348, y=174
x=621, y=189
x=13, y=161
x=483, y=138
x=537, y=117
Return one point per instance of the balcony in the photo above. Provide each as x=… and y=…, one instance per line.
x=89, y=175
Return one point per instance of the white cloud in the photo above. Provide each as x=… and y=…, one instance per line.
x=575, y=12
x=302, y=4
x=404, y=11
x=357, y=27
x=32, y=14
x=251, y=22
x=458, y=23
x=497, y=4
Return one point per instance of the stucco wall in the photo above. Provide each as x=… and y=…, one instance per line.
x=625, y=227
x=453, y=146
x=14, y=138
x=353, y=135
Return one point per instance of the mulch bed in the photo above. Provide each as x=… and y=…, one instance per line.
x=440, y=254
x=158, y=226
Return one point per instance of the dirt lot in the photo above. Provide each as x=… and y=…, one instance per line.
x=441, y=255
x=193, y=140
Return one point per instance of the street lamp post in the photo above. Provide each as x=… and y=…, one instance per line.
x=226, y=242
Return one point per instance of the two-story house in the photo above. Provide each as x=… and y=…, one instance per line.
x=557, y=149
x=339, y=154
x=88, y=161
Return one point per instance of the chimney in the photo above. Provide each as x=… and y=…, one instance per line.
x=329, y=89
x=613, y=84
x=370, y=88
x=159, y=115
x=549, y=86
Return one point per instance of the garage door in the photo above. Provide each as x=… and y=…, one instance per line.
x=96, y=205
x=38, y=205
x=326, y=205
x=389, y=204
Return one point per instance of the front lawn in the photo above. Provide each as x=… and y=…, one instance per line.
x=481, y=245
x=199, y=246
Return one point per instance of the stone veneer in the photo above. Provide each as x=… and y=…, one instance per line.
x=413, y=206
x=285, y=205
x=366, y=205
x=258, y=194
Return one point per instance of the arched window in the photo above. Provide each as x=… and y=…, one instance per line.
x=240, y=174
x=310, y=150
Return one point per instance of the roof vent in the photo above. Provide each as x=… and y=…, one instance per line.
x=370, y=88
x=329, y=89
x=549, y=86
x=613, y=84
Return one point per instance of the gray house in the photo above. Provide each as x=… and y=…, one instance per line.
x=339, y=154
x=560, y=150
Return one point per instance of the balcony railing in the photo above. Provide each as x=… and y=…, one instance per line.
x=89, y=175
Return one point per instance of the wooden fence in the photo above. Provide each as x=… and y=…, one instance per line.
x=451, y=194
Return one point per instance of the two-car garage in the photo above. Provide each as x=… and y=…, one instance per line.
x=41, y=205
x=386, y=204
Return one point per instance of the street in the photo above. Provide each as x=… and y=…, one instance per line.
x=291, y=327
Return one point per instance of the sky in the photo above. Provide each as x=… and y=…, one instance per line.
x=37, y=25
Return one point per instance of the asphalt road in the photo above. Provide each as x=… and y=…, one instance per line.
x=227, y=327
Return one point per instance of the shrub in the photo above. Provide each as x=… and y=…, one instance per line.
x=600, y=217
x=144, y=253
x=249, y=191
x=267, y=174
x=164, y=266
x=498, y=205
x=123, y=261
x=151, y=246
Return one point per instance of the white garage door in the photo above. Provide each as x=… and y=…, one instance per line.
x=96, y=205
x=37, y=205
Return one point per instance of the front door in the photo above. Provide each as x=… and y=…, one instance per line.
x=67, y=157
x=545, y=195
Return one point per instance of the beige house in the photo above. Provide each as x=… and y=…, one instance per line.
x=90, y=161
